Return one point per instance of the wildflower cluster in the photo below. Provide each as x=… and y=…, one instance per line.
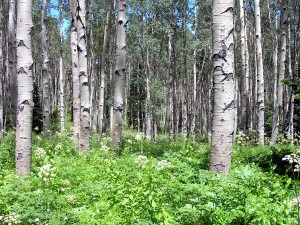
x=40, y=153
x=104, y=148
x=241, y=138
x=164, y=164
x=77, y=210
x=293, y=159
x=141, y=161
x=47, y=173
x=138, y=137
x=71, y=199
x=11, y=219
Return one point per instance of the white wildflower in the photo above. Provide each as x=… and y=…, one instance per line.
x=39, y=191
x=104, y=148
x=138, y=137
x=71, y=199
x=40, y=153
x=67, y=183
x=164, y=164
x=37, y=220
x=141, y=161
x=77, y=210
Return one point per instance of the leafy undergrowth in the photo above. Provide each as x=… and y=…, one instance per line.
x=151, y=183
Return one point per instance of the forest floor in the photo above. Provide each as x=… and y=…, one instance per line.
x=150, y=183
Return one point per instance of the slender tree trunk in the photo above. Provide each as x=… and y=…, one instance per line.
x=75, y=72
x=12, y=72
x=120, y=76
x=278, y=111
x=224, y=86
x=171, y=89
x=1, y=71
x=61, y=74
x=45, y=72
x=148, y=98
x=25, y=87
x=260, y=75
x=84, y=143
x=245, y=71
x=184, y=79
x=103, y=77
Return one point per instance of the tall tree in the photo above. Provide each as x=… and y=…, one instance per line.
x=45, y=71
x=12, y=73
x=120, y=78
x=61, y=72
x=278, y=112
x=103, y=77
x=84, y=143
x=75, y=74
x=25, y=87
x=260, y=75
x=1, y=72
x=245, y=109
x=224, y=85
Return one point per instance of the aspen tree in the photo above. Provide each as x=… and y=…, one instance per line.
x=45, y=71
x=75, y=74
x=84, y=143
x=61, y=73
x=1, y=72
x=120, y=78
x=260, y=75
x=278, y=110
x=103, y=77
x=25, y=87
x=223, y=85
x=12, y=73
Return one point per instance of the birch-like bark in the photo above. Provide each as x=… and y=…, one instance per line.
x=171, y=88
x=12, y=71
x=245, y=71
x=45, y=71
x=25, y=87
x=75, y=73
x=84, y=143
x=278, y=110
x=120, y=78
x=1, y=72
x=260, y=75
x=148, y=116
x=184, y=80
x=103, y=77
x=61, y=74
x=223, y=86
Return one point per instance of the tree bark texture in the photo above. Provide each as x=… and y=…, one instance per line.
x=223, y=86
x=12, y=72
x=1, y=72
x=75, y=73
x=84, y=143
x=25, y=87
x=278, y=112
x=103, y=77
x=45, y=71
x=260, y=75
x=120, y=78
x=61, y=73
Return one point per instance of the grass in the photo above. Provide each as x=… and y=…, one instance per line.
x=151, y=183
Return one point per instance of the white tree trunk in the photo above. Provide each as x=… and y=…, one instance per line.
x=245, y=71
x=1, y=72
x=148, y=98
x=12, y=72
x=84, y=142
x=224, y=86
x=119, y=89
x=45, y=72
x=120, y=76
x=171, y=89
x=278, y=110
x=61, y=74
x=103, y=77
x=25, y=87
x=260, y=75
x=75, y=73
x=184, y=96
